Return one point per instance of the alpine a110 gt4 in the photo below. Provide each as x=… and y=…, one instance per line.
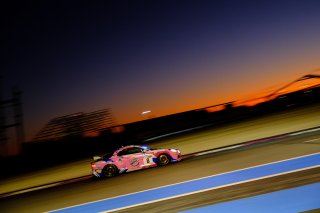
x=131, y=158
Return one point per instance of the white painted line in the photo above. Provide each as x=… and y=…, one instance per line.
x=212, y=188
x=313, y=140
x=218, y=150
x=31, y=189
x=305, y=131
x=316, y=153
x=44, y=186
x=174, y=133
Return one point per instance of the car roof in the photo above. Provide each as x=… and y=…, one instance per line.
x=125, y=147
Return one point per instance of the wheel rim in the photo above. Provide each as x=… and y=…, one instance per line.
x=163, y=159
x=110, y=171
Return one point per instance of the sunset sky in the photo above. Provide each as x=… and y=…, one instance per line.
x=163, y=56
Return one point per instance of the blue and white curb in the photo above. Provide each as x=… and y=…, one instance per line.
x=199, y=185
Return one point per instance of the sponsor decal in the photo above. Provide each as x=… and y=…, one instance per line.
x=134, y=162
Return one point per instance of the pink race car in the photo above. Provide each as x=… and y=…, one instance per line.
x=131, y=158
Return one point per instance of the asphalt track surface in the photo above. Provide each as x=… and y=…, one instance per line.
x=194, y=167
x=229, y=193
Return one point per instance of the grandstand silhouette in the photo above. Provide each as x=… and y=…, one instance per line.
x=76, y=124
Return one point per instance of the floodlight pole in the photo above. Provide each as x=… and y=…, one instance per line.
x=11, y=147
x=3, y=136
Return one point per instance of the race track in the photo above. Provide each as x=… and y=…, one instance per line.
x=290, y=120
x=192, y=168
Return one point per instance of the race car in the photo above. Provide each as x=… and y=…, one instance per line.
x=131, y=158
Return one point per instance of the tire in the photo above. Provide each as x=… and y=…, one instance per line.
x=163, y=159
x=110, y=170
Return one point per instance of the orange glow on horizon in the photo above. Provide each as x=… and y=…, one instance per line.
x=244, y=101
x=215, y=108
x=185, y=104
x=308, y=83
x=117, y=129
x=91, y=134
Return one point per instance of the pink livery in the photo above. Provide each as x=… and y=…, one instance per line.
x=131, y=158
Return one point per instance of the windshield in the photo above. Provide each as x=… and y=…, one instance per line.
x=107, y=155
x=145, y=147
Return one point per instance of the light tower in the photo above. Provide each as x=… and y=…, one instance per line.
x=8, y=145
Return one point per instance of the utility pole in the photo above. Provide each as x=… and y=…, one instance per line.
x=18, y=118
x=13, y=146
x=3, y=136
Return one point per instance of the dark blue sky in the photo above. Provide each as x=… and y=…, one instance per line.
x=163, y=56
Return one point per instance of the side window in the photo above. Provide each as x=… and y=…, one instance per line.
x=129, y=151
x=134, y=150
x=123, y=152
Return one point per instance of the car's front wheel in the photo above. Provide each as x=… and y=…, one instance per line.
x=110, y=170
x=163, y=160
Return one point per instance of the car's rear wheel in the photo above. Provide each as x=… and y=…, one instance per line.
x=110, y=170
x=163, y=160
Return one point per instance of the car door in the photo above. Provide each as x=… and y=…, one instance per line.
x=148, y=159
x=132, y=158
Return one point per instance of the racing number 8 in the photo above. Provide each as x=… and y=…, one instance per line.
x=147, y=159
